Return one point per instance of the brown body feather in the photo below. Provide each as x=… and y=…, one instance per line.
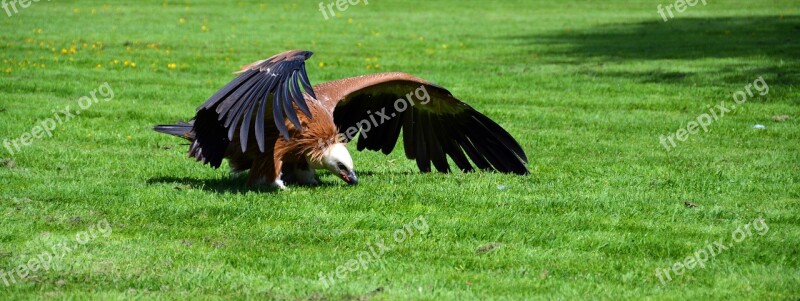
x=280, y=154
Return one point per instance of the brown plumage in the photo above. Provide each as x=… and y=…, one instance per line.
x=263, y=122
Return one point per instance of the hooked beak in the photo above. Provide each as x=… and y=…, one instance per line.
x=349, y=177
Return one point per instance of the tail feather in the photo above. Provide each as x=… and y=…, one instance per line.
x=181, y=129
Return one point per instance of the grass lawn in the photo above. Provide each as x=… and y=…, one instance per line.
x=587, y=87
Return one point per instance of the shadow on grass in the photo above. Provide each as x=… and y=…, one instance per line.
x=227, y=185
x=237, y=184
x=774, y=37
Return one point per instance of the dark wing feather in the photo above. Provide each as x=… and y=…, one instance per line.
x=433, y=130
x=231, y=109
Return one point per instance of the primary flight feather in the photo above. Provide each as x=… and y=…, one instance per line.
x=271, y=121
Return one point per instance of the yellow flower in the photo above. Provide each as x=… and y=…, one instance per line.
x=204, y=28
x=182, y=20
x=171, y=66
x=133, y=65
x=99, y=66
x=321, y=64
x=63, y=50
x=116, y=62
x=8, y=70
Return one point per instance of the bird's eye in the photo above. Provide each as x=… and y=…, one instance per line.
x=340, y=166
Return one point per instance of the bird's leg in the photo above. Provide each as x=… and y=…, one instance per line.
x=266, y=170
x=239, y=164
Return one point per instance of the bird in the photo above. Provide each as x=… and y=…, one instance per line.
x=270, y=121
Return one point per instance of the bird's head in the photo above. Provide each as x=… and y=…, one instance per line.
x=336, y=159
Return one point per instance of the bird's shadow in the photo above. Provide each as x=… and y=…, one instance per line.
x=236, y=185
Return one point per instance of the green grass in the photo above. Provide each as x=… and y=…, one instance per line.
x=587, y=87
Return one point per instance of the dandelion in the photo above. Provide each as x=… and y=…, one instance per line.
x=64, y=51
x=321, y=64
x=99, y=66
x=133, y=65
x=204, y=28
x=172, y=66
x=182, y=20
x=116, y=62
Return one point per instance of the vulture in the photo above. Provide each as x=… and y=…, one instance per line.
x=271, y=121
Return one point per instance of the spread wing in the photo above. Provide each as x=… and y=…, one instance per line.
x=435, y=124
x=233, y=107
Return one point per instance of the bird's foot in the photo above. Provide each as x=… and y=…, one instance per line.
x=278, y=184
